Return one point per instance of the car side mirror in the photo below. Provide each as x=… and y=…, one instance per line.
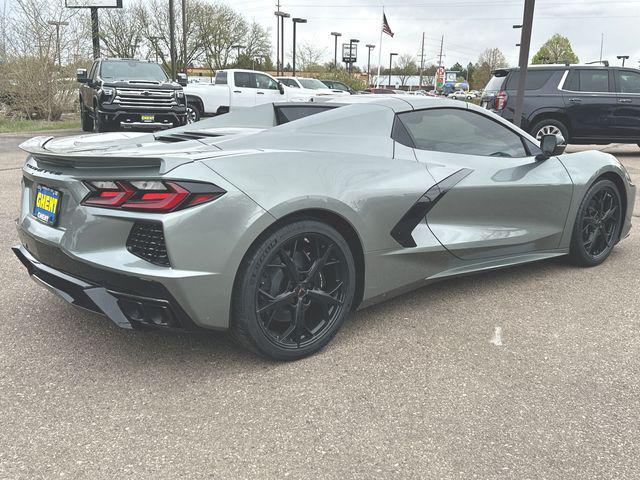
x=182, y=79
x=81, y=75
x=551, y=146
x=281, y=88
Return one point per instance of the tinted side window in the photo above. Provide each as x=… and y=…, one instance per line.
x=588, y=81
x=460, y=131
x=536, y=79
x=221, y=78
x=628, y=81
x=244, y=80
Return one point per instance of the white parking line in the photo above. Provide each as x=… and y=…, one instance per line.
x=497, y=337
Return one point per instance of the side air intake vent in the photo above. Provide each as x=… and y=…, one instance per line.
x=146, y=240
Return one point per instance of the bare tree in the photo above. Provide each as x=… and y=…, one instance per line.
x=406, y=66
x=220, y=28
x=120, y=32
x=257, y=43
x=488, y=61
x=309, y=57
x=32, y=82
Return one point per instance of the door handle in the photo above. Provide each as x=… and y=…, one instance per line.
x=260, y=93
x=624, y=100
x=237, y=91
x=575, y=100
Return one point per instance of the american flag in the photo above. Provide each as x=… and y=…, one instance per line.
x=385, y=26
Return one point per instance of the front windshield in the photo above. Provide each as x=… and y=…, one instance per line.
x=312, y=83
x=123, y=70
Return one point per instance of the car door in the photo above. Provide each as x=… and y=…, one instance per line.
x=627, y=113
x=493, y=197
x=88, y=88
x=590, y=103
x=267, y=89
x=243, y=93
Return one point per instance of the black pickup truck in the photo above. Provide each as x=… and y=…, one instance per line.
x=128, y=94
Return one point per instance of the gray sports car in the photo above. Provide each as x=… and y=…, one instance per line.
x=275, y=222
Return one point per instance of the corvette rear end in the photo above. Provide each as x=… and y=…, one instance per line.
x=121, y=236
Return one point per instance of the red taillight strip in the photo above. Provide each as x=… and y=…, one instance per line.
x=159, y=201
x=176, y=196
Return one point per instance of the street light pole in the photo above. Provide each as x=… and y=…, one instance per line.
x=279, y=57
x=623, y=58
x=391, y=55
x=369, y=47
x=64, y=24
x=282, y=17
x=335, y=48
x=525, y=45
x=295, y=22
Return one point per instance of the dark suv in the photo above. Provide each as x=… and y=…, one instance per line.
x=125, y=93
x=586, y=104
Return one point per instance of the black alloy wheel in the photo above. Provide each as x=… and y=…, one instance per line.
x=193, y=113
x=295, y=291
x=598, y=224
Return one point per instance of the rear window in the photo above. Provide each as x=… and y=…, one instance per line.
x=290, y=113
x=495, y=84
x=536, y=79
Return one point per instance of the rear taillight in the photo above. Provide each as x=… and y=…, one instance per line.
x=150, y=195
x=501, y=100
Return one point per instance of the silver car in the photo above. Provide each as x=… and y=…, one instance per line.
x=275, y=222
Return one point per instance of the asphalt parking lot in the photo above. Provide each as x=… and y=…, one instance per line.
x=527, y=373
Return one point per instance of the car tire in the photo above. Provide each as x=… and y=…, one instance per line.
x=550, y=126
x=597, y=226
x=85, y=119
x=286, y=303
x=193, y=113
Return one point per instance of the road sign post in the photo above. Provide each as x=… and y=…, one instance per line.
x=94, y=5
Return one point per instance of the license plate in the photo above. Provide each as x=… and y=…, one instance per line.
x=47, y=205
x=147, y=118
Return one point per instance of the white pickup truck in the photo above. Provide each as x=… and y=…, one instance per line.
x=237, y=88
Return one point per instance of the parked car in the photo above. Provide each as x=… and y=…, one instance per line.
x=310, y=85
x=238, y=88
x=275, y=227
x=128, y=93
x=586, y=104
x=336, y=85
x=381, y=91
x=461, y=94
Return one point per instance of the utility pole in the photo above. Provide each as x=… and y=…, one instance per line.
x=58, y=25
x=95, y=33
x=525, y=45
x=601, y=46
x=184, y=36
x=172, y=40
x=440, y=55
x=421, y=63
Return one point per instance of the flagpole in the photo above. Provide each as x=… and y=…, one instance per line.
x=380, y=54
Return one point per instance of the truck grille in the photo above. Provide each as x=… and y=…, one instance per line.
x=141, y=98
x=146, y=240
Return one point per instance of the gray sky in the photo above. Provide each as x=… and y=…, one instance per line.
x=469, y=26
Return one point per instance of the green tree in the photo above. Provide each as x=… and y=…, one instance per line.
x=555, y=50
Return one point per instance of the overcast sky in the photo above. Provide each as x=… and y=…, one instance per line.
x=468, y=26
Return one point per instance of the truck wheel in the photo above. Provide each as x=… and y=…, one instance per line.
x=99, y=125
x=193, y=113
x=85, y=119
